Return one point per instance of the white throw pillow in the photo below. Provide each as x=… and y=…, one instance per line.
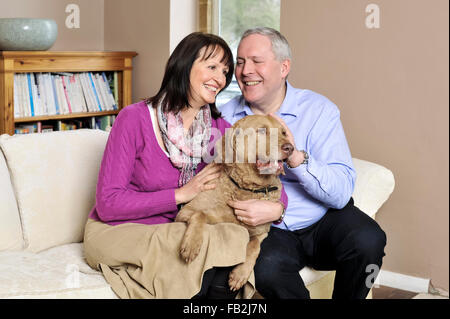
x=54, y=176
x=10, y=229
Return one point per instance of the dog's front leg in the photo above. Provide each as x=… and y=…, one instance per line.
x=240, y=274
x=193, y=237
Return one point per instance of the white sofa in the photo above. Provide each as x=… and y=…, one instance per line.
x=47, y=188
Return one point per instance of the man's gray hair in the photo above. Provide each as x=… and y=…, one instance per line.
x=280, y=45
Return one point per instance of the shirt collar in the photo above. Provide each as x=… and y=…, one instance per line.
x=242, y=107
x=286, y=108
x=288, y=105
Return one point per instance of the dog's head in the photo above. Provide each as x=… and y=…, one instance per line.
x=256, y=140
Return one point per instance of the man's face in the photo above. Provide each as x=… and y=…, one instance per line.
x=260, y=75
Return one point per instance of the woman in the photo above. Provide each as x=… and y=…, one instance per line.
x=151, y=165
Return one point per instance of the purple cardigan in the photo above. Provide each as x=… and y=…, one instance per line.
x=137, y=181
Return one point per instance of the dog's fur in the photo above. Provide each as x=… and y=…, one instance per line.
x=210, y=207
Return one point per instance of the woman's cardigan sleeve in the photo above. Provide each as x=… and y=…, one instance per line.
x=115, y=199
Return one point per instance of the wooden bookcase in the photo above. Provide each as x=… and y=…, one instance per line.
x=12, y=62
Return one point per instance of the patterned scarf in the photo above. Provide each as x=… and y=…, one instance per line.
x=185, y=150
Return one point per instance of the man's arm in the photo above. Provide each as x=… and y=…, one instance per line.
x=329, y=175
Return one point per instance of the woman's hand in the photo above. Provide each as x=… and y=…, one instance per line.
x=254, y=212
x=198, y=184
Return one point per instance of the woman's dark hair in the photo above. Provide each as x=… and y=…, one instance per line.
x=175, y=87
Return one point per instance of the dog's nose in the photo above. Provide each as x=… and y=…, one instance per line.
x=287, y=148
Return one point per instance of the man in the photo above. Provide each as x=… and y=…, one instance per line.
x=321, y=227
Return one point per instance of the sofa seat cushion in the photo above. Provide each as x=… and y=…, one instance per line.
x=59, y=272
x=54, y=176
x=310, y=276
x=62, y=272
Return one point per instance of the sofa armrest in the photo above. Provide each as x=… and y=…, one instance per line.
x=374, y=184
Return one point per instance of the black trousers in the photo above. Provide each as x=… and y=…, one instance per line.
x=345, y=240
x=215, y=284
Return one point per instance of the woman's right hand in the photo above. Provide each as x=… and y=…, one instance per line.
x=198, y=183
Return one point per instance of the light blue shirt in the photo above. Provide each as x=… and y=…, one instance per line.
x=328, y=180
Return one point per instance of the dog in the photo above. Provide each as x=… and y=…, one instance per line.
x=249, y=171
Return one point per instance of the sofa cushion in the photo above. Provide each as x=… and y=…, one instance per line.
x=310, y=275
x=54, y=176
x=59, y=272
x=10, y=229
x=374, y=185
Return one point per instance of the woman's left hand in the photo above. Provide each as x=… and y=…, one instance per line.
x=254, y=212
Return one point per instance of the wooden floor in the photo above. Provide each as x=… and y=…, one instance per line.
x=383, y=292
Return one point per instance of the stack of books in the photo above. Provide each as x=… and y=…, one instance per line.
x=42, y=94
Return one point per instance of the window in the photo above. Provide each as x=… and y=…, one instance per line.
x=229, y=19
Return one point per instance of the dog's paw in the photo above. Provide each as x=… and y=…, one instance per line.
x=238, y=277
x=190, y=247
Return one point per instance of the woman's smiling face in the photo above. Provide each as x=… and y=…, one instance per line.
x=207, y=77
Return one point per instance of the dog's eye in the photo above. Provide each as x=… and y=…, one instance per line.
x=283, y=132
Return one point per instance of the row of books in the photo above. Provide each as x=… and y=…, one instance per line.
x=101, y=122
x=37, y=94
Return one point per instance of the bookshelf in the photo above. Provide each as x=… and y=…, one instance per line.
x=13, y=62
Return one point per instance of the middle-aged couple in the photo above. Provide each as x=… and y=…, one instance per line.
x=148, y=170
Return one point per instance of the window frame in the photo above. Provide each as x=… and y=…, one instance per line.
x=208, y=16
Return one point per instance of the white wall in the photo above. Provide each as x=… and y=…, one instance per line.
x=183, y=20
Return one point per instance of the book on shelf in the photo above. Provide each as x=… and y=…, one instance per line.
x=116, y=87
x=30, y=93
x=37, y=94
x=104, y=122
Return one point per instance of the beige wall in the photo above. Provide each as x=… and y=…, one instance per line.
x=117, y=25
x=142, y=26
x=88, y=37
x=391, y=85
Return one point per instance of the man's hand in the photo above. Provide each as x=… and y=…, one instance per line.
x=296, y=157
x=254, y=212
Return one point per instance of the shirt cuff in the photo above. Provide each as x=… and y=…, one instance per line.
x=310, y=174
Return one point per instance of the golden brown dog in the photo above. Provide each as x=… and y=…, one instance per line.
x=251, y=156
